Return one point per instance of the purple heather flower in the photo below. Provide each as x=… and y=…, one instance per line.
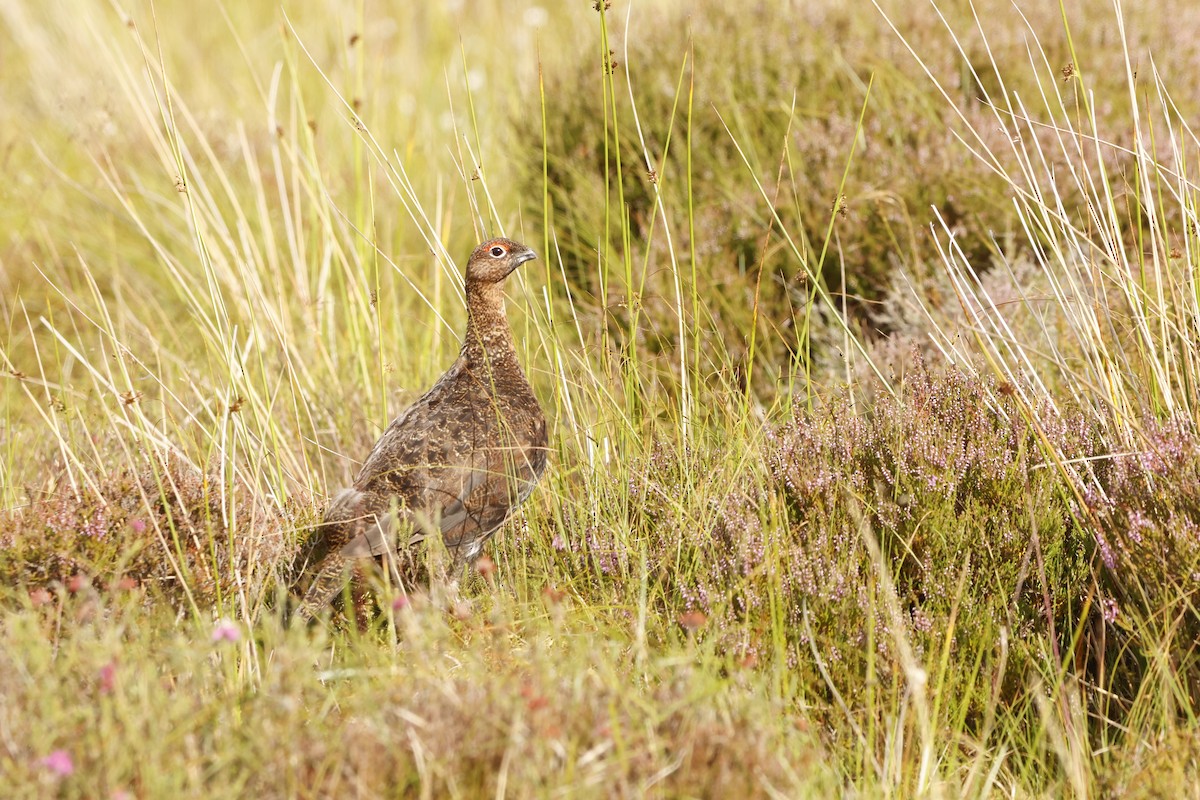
x=1109, y=608
x=921, y=620
x=1106, y=552
x=94, y=528
x=1138, y=522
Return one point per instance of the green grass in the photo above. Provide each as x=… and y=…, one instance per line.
x=870, y=365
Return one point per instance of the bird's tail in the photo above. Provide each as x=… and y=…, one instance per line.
x=329, y=579
x=321, y=569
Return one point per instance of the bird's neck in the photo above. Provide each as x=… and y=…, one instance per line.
x=488, y=342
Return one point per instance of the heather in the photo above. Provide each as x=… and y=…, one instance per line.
x=161, y=524
x=866, y=333
x=887, y=155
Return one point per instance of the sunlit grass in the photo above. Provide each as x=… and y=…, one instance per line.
x=232, y=256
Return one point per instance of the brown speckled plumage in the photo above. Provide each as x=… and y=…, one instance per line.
x=456, y=462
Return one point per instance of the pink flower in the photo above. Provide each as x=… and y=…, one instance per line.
x=400, y=603
x=108, y=677
x=59, y=762
x=226, y=631
x=137, y=525
x=1109, y=609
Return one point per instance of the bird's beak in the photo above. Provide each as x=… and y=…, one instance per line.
x=527, y=255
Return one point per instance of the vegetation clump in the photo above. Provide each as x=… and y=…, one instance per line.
x=163, y=525
x=773, y=553
x=814, y=156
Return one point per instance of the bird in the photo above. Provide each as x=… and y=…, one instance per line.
x=456, y=463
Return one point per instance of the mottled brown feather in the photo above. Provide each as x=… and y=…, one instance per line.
x=455, y=463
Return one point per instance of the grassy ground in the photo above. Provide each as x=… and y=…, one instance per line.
x=867, y=333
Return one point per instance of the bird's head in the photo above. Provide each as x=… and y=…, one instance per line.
x=494, y=259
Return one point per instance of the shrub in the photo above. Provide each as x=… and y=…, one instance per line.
x=786, y=113
x=179, y=531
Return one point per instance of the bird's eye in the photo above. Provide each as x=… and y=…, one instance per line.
x=497, y=251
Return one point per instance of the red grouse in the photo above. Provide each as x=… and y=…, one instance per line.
x=455, y=463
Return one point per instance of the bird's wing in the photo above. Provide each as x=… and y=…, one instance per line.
x=451, y=486
x=377, y=539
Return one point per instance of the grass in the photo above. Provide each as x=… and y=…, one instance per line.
x=871, y=370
